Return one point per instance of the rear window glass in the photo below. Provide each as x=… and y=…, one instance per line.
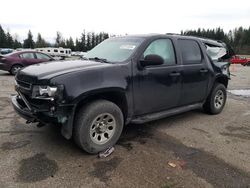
x=190, y=51
x=42, y=56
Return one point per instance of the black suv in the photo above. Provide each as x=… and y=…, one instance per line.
x=131, y=79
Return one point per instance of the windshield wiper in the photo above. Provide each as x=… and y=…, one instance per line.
x=99, y=59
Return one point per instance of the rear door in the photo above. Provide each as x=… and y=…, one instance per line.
x=28, y=58
x=195, y=74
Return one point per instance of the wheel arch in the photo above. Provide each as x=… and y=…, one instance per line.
x=15, y=65
x=115, y=95
x=222, y=79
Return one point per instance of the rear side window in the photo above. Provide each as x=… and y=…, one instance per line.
x=42, y=56
x=27, y=56
x=190, y=51
x=163, y=48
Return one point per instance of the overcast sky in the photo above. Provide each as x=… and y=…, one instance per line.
x=120, y=16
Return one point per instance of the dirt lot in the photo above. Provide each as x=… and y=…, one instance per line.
x=208, y=151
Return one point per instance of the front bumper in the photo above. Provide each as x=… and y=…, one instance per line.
x=64, y=114
x=21, y=109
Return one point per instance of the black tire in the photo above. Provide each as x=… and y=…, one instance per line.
x=214, y=103
x=86, y=119
x=15, y=68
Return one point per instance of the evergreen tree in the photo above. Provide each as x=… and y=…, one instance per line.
x=29, y=43
x=83, y=42
x=2, y=38
x=17, y=44
x=93, y=40
x=9, y=40
x=40, y=42
x=88, y=43
x=60, y=42
x=70, y=44
x=77, y=45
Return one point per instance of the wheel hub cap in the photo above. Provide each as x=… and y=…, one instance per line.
x=219, y=99
x=102, y=128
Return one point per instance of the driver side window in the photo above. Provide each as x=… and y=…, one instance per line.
x=163, y=48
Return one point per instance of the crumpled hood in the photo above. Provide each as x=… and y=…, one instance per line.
x=48, y=70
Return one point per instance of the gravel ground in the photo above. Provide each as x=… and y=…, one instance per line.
x=205, y=150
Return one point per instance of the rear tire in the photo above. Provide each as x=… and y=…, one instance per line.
x=14, y=69
x=216, y=100
x=98, y=126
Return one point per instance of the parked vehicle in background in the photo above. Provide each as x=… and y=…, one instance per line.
x=77, y=53
x=130, y=79
x=240, y=60
x=56, y=52
x=4, y=51
x=16, y=60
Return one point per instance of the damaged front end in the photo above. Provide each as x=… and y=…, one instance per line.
x=43, y=104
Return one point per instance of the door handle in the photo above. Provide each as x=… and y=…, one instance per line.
x=174, y=74
x=203, y=70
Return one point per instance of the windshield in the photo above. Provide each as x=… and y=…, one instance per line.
x=115, y=49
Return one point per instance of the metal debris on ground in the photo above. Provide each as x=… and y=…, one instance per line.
x=106, y=153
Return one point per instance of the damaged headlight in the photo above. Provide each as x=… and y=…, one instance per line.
x=47, y=92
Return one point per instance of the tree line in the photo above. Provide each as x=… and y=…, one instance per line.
x=86, y=42
x=238, y=38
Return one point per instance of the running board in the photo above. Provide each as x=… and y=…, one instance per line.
x=164, y=114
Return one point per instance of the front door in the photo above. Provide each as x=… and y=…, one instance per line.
x=158, y=87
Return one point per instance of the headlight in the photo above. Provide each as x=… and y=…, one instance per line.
x=44, y=92
x=47, y=91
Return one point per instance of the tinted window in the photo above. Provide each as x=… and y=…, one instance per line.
x=163, y=48
x=55, y=50
x=42, y=56
x=61, y=51
x=190, y=50
x=27, y=56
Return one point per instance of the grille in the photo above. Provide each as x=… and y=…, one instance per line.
x=23, y=84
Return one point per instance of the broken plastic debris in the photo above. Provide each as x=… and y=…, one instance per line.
x=106, y=152
x=177, y=164
x=172, y=164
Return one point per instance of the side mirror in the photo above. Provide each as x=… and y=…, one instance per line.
x=152, y=59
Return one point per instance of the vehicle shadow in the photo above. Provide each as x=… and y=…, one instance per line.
x=138, y=133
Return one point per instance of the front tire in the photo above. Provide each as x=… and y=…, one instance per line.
x=216, y=100
x=98, y=126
